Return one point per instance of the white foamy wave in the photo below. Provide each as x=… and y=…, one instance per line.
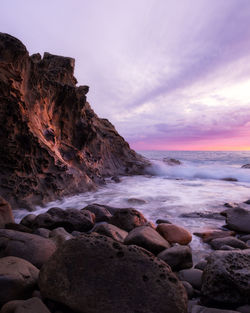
x=190, y=170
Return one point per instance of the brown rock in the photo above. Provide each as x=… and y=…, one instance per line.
x=109, y=277
x=51, y=142
x=18, y=279
x=32, y=305
x=174, y=234
x=211, y=234
x=101, y=213
x=30, y=247
x=147, y=238
x=128, y=219
x=111, y=231
x=6, y=215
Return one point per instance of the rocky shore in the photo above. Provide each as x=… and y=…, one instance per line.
x=106, y=259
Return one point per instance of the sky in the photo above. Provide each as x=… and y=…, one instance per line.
x=170, y=75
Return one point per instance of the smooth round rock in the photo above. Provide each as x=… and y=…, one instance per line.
x=193, y=276
x=93, y=274
x=228, y=241
x=111, y=231
x=174, y=234
x=238, y=219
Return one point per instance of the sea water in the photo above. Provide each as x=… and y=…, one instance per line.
x=167, y=192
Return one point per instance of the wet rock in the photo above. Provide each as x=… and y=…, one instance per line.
x=247, y=202
x=43, y=232
x=209, y=215
x=192, y=276
x=147, y=238
x=116, y=179
x=91, y=277
x=177, y=257
x=244, y=308
x=174, y=234
x=25, y=306
x=70, y=219
x=226, y=279
x=201, y=265
x=245, y=238
x=229, y=179
x=59, y=235
x=163, y=221
x=202, y=309
x=30, y=247
x=171, y=161
x=245, y=166
x=128, y=219
x=6, y=215
x=28, y=220
x=238, y=219
x=231, y=205
x=18, y=279
x=189, y=289
x=136, y=201
x=111, y=231
x=101, y=213
x=212, y=234
x=228, y=241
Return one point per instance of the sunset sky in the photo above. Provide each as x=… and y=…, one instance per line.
x=170, y=75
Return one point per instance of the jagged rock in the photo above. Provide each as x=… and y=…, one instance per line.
x=128, y=219
x=111, y=231
x=177, y=257
x=103, y=267
x=218, y=243
x=174, y=234
x=70, y=219
x=192, y=276
x=171, y=161
x=212, y=234
x=30, y=247
x=6, y=215
x=102, y=214
x=25, y=306
x=226, y=279
x=245, y=166
x=147, y=238
x=18, y=279
x=237, y=219
x=51, y=142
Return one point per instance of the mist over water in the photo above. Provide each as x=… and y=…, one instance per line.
x=169, y=191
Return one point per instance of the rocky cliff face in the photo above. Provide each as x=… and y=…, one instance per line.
x=51, y=141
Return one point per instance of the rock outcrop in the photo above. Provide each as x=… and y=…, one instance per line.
x=51, y=141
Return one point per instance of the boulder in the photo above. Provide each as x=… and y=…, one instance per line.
x=147, y=238
x=6, y=215
x=228, y=241
x=238, y=219
x=128, y=219
x=177, y=257
x=174, y=234
x=94, y=274
x=226, y=279
x=111, y=231
x=18, y=279
x=30, y=247
x=101, y=213
x=69, y=219
x=192, y=276
x=32, y=305
x=28, y=220
x=211, y=234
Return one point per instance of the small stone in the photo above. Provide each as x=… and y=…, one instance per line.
x=189, y=289
x=193, y=276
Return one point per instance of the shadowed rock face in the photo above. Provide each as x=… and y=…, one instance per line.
x=51, y=141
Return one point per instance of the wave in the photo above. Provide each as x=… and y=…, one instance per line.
x=196, y=171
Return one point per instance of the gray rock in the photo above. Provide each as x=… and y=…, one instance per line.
x=18, y=279
x=109, y=277
x=128, y=219
x=111, y=231
x=177, y=257
x=147, y=238
x=238, y=219
x=226, y=279
x=101, y=213
x=192, y=276
x=228, y=241
x=202, y=309
x=30, y=247
x=33, y=305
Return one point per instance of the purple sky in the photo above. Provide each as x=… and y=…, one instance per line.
x=168, y=74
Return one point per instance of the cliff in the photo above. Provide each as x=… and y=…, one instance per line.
x=51, y=142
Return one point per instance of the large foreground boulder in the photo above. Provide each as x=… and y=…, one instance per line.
x=32, y=248
x=238, y=219
x=93, y=274
x=6, y=215
x=226, y=279
x=18, y=279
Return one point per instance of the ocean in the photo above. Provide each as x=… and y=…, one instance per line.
x=166, y=192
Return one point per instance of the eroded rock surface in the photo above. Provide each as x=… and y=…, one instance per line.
x=51, y=141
